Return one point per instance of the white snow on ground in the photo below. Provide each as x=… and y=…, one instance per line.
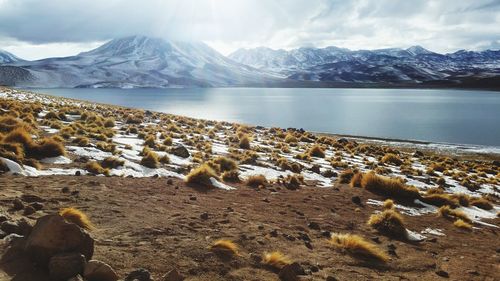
x=414, y=236
x=220, y=185
x=270, y=174
x=56, y=160
x=33, y=172
x=90, y=152
x=436, y=232
x=410, y=211
x=137, y=170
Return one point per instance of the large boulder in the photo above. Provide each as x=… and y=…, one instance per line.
x=180, y=151
x=98, y=271
x=66, y=265
x=52, y=235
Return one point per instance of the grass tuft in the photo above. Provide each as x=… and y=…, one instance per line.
x=201, y=176
x=390, y=187
x=77, y=217
x=316, y=151
x=447, y=212
x=462, y=224
x=225, y=247
x=358, y=247
x=276, y=260
x=389, y=222
x=256, y=181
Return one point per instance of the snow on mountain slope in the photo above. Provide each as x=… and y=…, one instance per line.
x=6, y=57
x=139, y=61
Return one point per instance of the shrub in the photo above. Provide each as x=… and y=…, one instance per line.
x=47, y=147
x=316, y=151
x=225, y=247
x=21, y=136
x=52, y=115
x=276, y=260
x=346, y=176
x=481, y=203
x=358, y=247
x=81, y=141
x=244, y=142
x=9, y=123
x=96, y=168
x=77, y=217
x=226, y=164
x=150, y=160
x=290, y=139
x=388, y=222
x=356, y=179
x=293, y=181
x=201, y=176
x=112, y=162
x=164, y=159
x=231, y=176
x=391, y=158
x=440, y=200
x=167, y=141
x=447, y=212
x=150, y=141
x=388, y=204
x=462, y=224
x=256, y=181
x=109, y=123
x=388, y=187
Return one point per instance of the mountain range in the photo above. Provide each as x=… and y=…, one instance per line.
x=140, y=61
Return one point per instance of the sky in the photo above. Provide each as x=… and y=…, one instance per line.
x=34, y=29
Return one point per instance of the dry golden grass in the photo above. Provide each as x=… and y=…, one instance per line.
x=358, y=247
x=244, y=142
x=388, y=204
x=256, y=181
x=316, y=151
x=225, y=164
x=276, y=260
x=391, y=158
x=77, y=217
x=356, y=180
x=462, y=224
x=482, y=203
x=201, y=176
x=231, y=176
x=346, y=176
x=390, y=187
x=389, y=222
x=150, y=160
x=96, y=168
x=225, y=247
x=290, y=139
x=440, y=200
x=112, y=162
x=447, y=212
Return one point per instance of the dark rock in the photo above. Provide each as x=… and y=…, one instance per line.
x=37, y=206
x=315, y=169
x=78, y=173
x=418, y=154
x=356, y=200
x=496, y=163
x=65, y=189
x=442, y=273
x=17, y=204
x=139, y=275
x=10, y=227
x=28, y=210
x=331, y=278
x=2, y=234
x=30, y=198
x=170, y=181
x=256, y=258
x=52, y=235
x=99, y=271
x=314, y=225
x=274, y=233
x=290, y=272
x=173, y=275
x=192, y=198
x=180, y=151
x=472, y=272
x=204, y=216
x=3, y=218
x=326, y=234
x=308, y=245
x=314, y=268
x=376, y=239
x=66, y=265
x=25, y=227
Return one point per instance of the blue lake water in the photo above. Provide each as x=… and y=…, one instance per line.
x=451, y=116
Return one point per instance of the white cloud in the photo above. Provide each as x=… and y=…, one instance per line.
x=440, y=25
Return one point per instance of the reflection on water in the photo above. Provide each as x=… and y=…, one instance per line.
x=431, y=115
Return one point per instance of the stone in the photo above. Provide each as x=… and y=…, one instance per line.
x=99, y=271
x=173, y=275
x=10, y=227
x=180, y=151
x=66, y=265
x=37, y=205
x=331, y=278
x=314, y=225
x=17, y=204
x=418, y=154
x=25, y=227
x=140, y=274
x=28, y=210
x=30, y=198
x=76, y=278
x=356, y=200
x=290, y=272
x=52, y=235
x=204, y=216
x=442, y=273
x=65, y=189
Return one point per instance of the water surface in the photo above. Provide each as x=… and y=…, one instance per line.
x=451, y=116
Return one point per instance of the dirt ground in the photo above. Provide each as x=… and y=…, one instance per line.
x=157, y=224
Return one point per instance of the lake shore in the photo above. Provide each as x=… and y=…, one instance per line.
x=133, y=171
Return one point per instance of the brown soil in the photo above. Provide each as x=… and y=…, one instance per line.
x=149, y=223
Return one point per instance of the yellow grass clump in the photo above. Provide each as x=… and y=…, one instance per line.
x=356, y=180
x=231, y=176
x=112, y=162
x=77, y=217
x=244, y=142
x=150, y=160
x=256, y=181
x=201, y=176
x=316, y=151
x=390, y=187
x=388, y=222
x=442, y=199
x=276, y=260
x=96, y=168
x=482, y=203
x=358, y=247
x=447, y=212
x=225, y=247
x=388, y=204
x=462, y=224
x=391, y=158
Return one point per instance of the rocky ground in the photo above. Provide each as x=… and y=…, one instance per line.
x=162, y=189
x=158, y=224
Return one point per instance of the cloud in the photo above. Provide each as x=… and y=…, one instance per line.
x=440, y=25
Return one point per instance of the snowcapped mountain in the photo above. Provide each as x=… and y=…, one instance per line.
x=414, y=65
x=140, y=61
x=6, y=57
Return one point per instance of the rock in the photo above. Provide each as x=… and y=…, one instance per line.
x=314, y=268
x=99, y=271
x=2, y=234
x=17, y=204
x=37, y=206
x=326, y=234
x=76, y=278
x=418, y=154
x=66, y=265
x=496, y=163
x=173, y=275
x=3, y=218
x=442, y=273
x=331, y=278
x=314, y=225
x=28, y=210
x=315, y=169
x=140, y=274
x=274, y=233
x=204, y=216
x=170, y=182
x=356, y=200
x=376, y=239
x=290, y=272
x=30, y=198
x=65, y=189
x=52, y=235
x=78, y=173
x=180, y=151
x=308, y=245
x=10, y=227
x=25, y=227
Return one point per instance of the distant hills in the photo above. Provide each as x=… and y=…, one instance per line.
x=140, y=61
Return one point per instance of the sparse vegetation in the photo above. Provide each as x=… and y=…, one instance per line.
x=358, y=247
x=225, y=247
x=276, y=260
x=316, y=151
x=256, y=181
x=390, y=187
x=77, y=217
x=447, y=212
x=201, y=176
x=388, y=222
x=150, y=160
x=462, y=224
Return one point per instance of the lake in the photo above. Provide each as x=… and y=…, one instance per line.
x=450, y=116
